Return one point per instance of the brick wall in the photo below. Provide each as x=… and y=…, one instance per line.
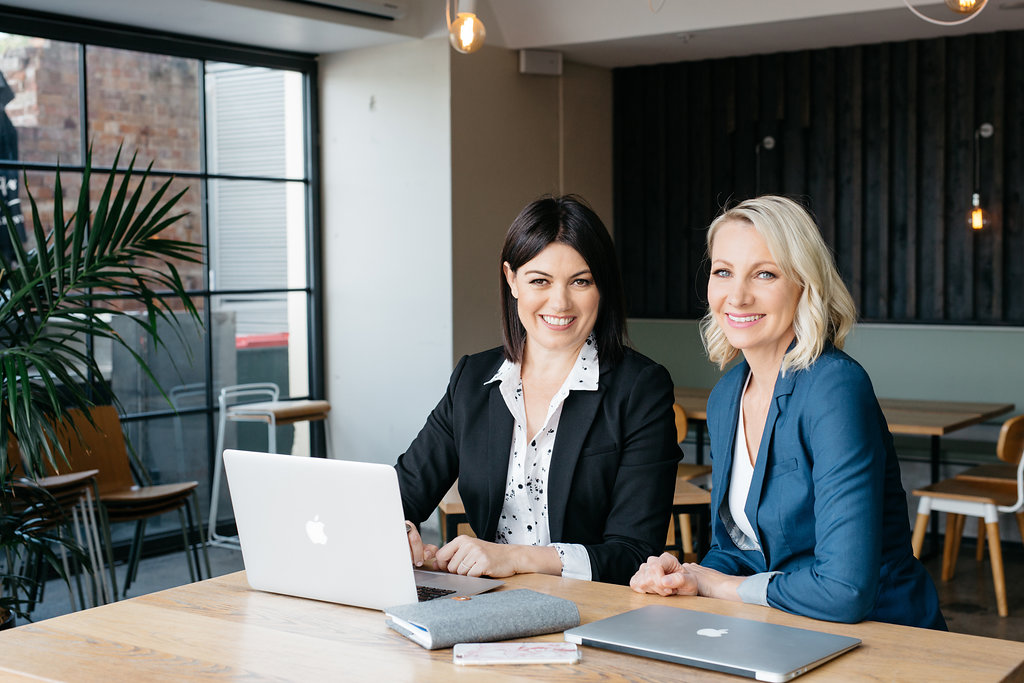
x=148, y=103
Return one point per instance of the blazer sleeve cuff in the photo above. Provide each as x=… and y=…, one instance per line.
x=575, y=561
x=754, y=589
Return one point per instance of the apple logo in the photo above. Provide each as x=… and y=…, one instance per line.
x=315, y=530
x=712, y=632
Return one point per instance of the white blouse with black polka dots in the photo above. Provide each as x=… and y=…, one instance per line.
x=524, y=515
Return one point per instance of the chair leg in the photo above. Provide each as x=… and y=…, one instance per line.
x=958, y=533
x=192, y=566
x=980, y=553
x=104, y=524
x=218, y=465
x=133, y=556
x=200, y=541
x=948, y=557
x=920, y=528
x=1020, y=523
x=687, y=534
x=995, y=552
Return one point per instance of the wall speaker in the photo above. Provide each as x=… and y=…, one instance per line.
x=540, y=62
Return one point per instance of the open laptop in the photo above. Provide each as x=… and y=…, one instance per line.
x=755, y=649
x=329, y=530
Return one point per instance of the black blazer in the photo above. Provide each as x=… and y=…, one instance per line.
x=612, y=469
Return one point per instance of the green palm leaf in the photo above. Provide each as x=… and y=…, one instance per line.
x=65, y=291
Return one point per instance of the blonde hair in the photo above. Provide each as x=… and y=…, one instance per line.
x=825, y=312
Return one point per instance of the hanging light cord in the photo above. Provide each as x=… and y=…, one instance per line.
x=977, y=161
x=939, y=22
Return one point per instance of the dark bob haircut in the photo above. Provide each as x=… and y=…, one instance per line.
x=570, y=221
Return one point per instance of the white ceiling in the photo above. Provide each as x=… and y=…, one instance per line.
x=600, y=32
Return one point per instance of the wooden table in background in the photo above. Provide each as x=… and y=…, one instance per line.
x=220, y=629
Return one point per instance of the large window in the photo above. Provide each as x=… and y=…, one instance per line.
x=232, y=128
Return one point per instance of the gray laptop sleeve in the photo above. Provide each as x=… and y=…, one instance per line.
x=483, y=618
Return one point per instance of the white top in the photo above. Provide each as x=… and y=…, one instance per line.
x=524, y=515
x=742, y=472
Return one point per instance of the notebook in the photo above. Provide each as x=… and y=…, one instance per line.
x=329, y=530
x=755, y=649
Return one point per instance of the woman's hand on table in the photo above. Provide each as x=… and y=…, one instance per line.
x=473, y=557
x=420, y=552
x=665, y=575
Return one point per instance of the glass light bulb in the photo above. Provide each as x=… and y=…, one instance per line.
x=962, y=6
x=977, y=218
x=467, y=33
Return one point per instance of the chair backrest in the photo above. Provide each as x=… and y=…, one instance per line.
x=248, y=393
x=1011, y=440
x=98, y=445
x=681, y=423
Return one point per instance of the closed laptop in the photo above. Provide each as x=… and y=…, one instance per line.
x=766, y=652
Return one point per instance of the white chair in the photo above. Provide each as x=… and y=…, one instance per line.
x=242, y=403
x=983, y=498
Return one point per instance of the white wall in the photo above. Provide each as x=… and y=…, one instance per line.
x=386, y=161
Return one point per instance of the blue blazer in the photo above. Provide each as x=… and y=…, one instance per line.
x=612, y=467
x=826, y=501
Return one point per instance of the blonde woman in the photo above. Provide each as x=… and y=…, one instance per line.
x=809, y=515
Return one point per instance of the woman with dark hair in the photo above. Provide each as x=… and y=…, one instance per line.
x=562, y=440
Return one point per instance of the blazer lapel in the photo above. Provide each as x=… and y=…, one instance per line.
x=722, y=475
x=499, y=445
x=578, y=413
x=783, y=388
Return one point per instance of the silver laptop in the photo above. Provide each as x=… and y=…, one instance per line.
x=329, y=530
x=755, y=649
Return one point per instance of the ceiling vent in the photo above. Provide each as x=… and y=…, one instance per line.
x=382, y=9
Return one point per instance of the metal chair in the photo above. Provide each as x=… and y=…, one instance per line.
x=256, y=402
x=978, y=497
x=68, y=505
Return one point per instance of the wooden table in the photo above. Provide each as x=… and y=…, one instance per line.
x=220, y=629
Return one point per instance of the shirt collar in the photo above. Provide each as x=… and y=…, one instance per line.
x=583, y=376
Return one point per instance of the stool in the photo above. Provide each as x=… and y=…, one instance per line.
x=273, y=412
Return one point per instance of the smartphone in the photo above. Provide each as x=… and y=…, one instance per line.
x=515, y=653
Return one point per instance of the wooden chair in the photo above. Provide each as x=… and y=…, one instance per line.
x=680, y=531
x=100, y=444
x=978, y=497
x=237, y=404
x=990, y=472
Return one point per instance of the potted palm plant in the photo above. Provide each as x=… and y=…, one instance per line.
x=53, y=298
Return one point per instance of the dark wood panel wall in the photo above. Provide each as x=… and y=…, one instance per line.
x=877, y=140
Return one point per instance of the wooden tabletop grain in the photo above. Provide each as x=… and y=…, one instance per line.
x=220, y=629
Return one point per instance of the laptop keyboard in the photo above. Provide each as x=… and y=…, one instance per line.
x=424, y=593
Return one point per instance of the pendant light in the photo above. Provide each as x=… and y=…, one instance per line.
x=968, y=8
x=977, y=217
x=467, y=32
